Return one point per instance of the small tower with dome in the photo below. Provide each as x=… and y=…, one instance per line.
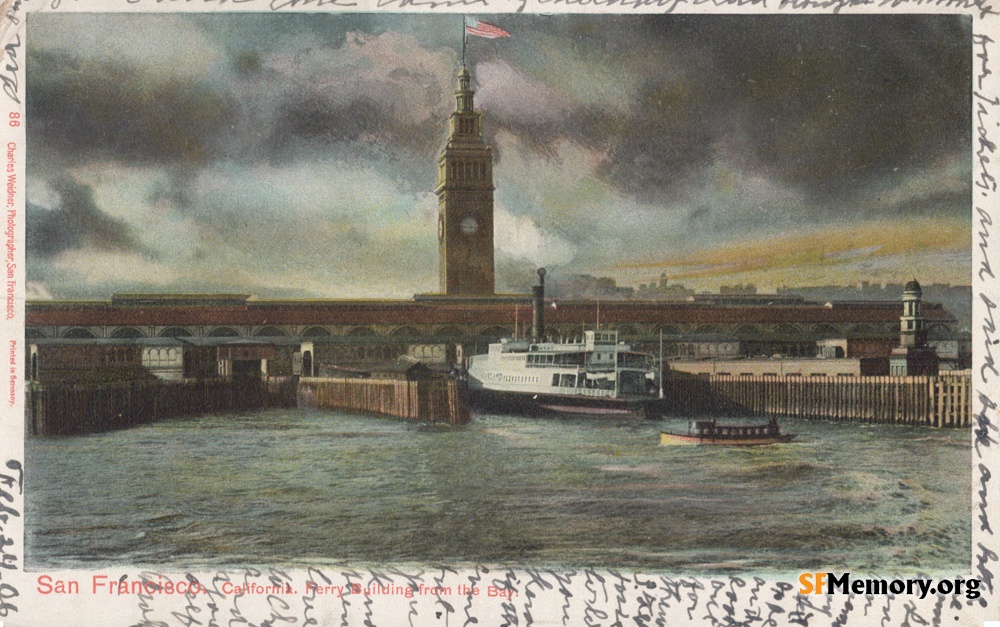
x=912, y=357
x=912, y=331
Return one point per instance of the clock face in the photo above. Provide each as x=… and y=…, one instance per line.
x=469, y=225
x=440, y=228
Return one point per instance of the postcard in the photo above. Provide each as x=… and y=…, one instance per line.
x=466, y=312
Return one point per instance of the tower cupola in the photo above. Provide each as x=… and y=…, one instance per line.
x=911, y=324
x=464, y=96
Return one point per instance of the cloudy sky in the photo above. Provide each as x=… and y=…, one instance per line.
x=294, y=155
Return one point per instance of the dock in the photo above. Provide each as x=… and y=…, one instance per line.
x=932, y=401
x=438, y=400
x=58, y=409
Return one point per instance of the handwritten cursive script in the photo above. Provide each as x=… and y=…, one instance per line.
x=11, y=489
x=11, y=69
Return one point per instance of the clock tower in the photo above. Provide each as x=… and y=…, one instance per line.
x=465, y=201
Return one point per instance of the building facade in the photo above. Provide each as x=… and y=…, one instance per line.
x=465, y=201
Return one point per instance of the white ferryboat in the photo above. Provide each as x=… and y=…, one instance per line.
x=596, y=376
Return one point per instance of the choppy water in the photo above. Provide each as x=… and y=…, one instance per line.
x=296, y=486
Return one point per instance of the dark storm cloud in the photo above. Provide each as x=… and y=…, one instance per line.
x=833, y=103
x=108, y=110
x=364, y=128
x=319, y=119
x=829, y=101
x=654, y=131
x=818, y=102
x=264, y=100
x=615, y=137
x=651, y=154
x=75, y=224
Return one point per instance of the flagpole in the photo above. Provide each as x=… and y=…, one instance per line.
x=661, y=363
x=463, y=41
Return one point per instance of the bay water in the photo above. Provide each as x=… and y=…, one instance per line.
x=299, y=487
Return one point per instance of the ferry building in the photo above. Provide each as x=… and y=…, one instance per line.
x=187, y=335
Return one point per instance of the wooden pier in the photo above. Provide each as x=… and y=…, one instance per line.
x=80, y=408
x=437, y=400
x=941, y=401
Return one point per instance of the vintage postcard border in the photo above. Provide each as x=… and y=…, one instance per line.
x=544, y=597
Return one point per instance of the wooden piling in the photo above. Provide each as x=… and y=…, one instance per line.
x=426, y=400
x=80, y=408
x=941, y=401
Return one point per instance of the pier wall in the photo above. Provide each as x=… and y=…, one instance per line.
x=80, y=408
x=426, y=400
x=941, y=401
x=64, y=408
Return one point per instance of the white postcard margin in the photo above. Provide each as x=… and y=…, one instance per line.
x=583, y=597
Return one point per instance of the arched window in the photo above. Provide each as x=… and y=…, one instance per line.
x=405, y=332
x=627, y=331
x=269, y=332
x=223, y=332
x=362, y=332
x=825, y=331
x=495, y=333
x=79, y=334
x=786, y=330
x=126, y=332
x=175, y=332
x=667, y=329
x=316, y=332
x=307, y=364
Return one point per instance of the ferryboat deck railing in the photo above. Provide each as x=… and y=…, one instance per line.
x=594, y=392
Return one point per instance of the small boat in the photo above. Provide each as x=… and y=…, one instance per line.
x=710, y=432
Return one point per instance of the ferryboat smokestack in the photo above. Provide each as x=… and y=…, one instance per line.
x=538, y=308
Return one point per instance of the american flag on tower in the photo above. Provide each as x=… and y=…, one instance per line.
x=484, y=29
